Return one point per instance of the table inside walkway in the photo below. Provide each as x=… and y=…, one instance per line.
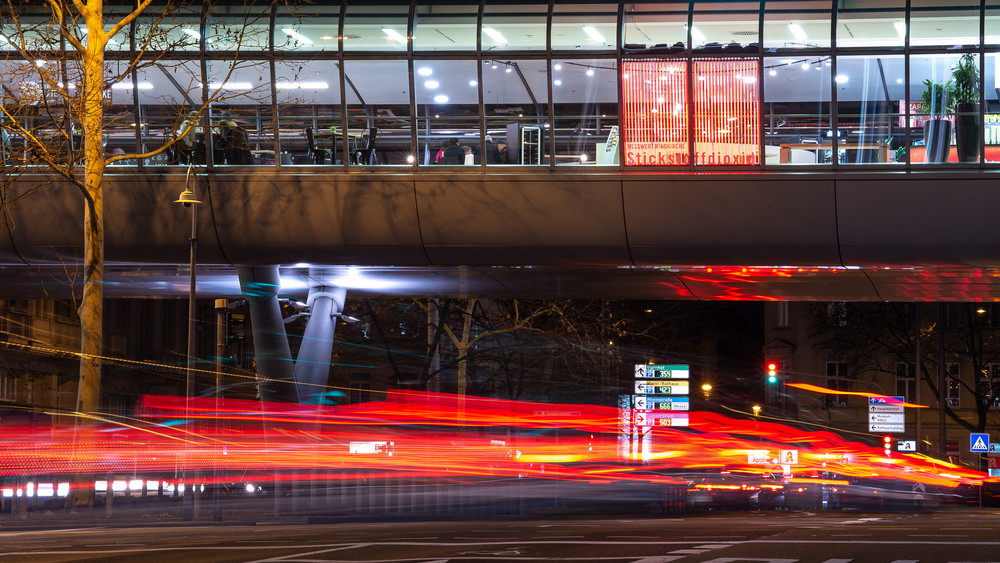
x=335, y=141
x=785, y=154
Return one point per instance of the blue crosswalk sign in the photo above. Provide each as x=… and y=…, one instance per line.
x=979, y=442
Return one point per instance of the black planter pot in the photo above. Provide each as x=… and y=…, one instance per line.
x=968, y=133
x=937, y=137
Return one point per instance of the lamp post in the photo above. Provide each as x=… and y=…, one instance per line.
x=187, y=198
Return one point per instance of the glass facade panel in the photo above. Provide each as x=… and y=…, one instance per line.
x=515, y=97
x=378, y=112
x=655, y=109
x=301, y=28
x=514, y=26
x=992, y=23
x=586, y=110
x=445, y=27
x=869, y=128
x=952, y=24
x=871, y=23
x=238, y=94
x=726, y=27
x=245, y=27
x=796, y=26
x=932, y=126
x=447, y=98
x=376, y=27
x=797, y=110
x=656, y=28
x=308, y=96
x=726, y=113
x=584, y=27
x=167, y=91
x=176, y=29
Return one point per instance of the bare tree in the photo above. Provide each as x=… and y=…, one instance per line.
x=61, y=58
x=874, y=337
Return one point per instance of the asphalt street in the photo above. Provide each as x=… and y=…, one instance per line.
x=952, y=536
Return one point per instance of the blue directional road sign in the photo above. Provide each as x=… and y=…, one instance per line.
x=979, y=443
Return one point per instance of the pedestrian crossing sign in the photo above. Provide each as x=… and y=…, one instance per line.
x=979, y=442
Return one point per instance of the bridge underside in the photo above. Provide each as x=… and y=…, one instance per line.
x=877, y=235
x=710, y=283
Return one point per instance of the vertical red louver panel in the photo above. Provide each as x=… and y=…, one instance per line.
x=654, y=98
x=726, y=112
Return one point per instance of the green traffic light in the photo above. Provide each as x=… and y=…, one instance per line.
x=772, y=379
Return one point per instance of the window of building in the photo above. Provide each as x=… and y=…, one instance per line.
x=837, y=378
x=905, y=380
x=836, y=313
x=781, y=314
x=8, y=386
x=990, y=385
x=953, y=385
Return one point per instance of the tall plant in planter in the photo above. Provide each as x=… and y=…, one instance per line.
x=936, y=103
x=965, y=95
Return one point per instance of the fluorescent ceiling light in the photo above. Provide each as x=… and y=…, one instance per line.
x=432, y=84
x=593, y=33
x=230, y=86
x=296, y=35
x=900, y=27
x=798, y=32
x=441, y=99
x=495, y=35
x=697, y=36
x=301, y=85
x=128, y=86
x=394, y=35
x=425, y=71
x=191, y=32
x=841, y=78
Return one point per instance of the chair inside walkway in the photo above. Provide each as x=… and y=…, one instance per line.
x=318, y=154
x=365, y=154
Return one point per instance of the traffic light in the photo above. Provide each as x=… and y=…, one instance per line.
x=772, y=372
x=887, y=443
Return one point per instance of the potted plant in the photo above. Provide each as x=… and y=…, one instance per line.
x=965, y=96
x=935, y=102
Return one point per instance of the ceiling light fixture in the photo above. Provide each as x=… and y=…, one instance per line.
x=594, y=34
x=495, y=35
x=798, y=32
x=302, y=85
x=230, y=86
x=128, y=86
x=191, y=32
x=696, y=35
x=394, y=35
x=431, y=84
x=296, y=35
x=441, y=99
x=590, y=72
x=425, y=71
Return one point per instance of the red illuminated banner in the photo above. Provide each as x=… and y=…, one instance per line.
x=726, y=113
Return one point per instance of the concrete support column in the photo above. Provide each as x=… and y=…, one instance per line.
x=259, y=285
x=312, y=366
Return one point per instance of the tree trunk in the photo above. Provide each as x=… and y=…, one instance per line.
x=88, y=398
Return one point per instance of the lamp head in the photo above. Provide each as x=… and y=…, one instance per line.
x=187, y=198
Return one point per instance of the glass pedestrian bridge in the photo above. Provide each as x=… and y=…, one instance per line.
x=702, y=150
x=768, y=85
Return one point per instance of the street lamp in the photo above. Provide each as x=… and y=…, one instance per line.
x=187, y=198
x=756, y=410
